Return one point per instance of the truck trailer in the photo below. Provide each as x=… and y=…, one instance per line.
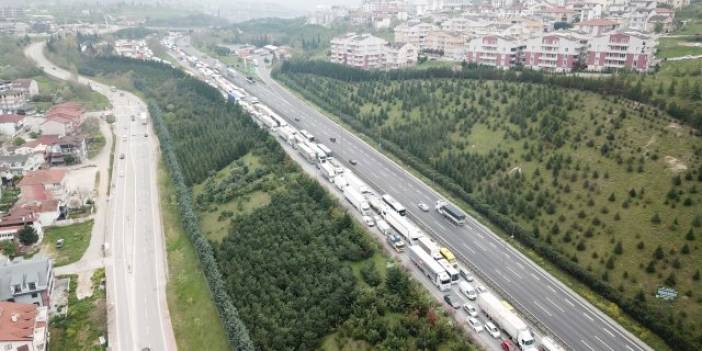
x=431, y=269
x=429, y=247
x=306, y=152
x=327, y=170
x=357, y=200
x=403, y=226
x=506, y=319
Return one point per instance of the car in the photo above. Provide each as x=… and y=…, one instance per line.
x=121, y=156
x=475, y=324
x=146, y=135
x=453, y=300
x=353, y=162
x=492, y=330
x=482, y=289
x=470, y=309
x=377, y=219
x=466, y=274
x=332, y=139
x=297, y=119
x=422, y=206
x=368, y=220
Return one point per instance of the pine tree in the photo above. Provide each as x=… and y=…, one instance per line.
x=618, y=249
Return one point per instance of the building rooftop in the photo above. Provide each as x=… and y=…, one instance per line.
x=44, y=176
x=17, y=321
x=20, y=271
x=10, y=118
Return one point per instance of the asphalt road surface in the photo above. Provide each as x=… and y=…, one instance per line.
x=138, y=315
x=540, y=297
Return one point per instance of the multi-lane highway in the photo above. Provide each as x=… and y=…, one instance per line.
x=138, y=317
x=549, y=304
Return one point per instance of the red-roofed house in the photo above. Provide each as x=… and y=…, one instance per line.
x=62, y=119
x=17, y=218
x=597, y=26
x=11, y=124
x=23, y=327
x=617, y=50
x=53, y=181
x=40, y=144
x=555, y=52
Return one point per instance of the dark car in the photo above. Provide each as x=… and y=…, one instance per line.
x=332, y=139
x=453, y=300
x=353, y=162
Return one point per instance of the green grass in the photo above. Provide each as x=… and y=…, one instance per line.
x=193, y=314
x=8, y=199
x=95, y=140
x=676, y=47
x=86, y=320
x=76, y=240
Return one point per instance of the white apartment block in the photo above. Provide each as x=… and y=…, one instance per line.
x=494, y=50
x=400, y=55
x=555, y=52
x=617, y=50
x=415, y=35
x=452, y=44
x=359, y=50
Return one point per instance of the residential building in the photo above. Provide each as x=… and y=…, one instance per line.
x=26, y=281
x=676, y=4
x=555, y=52
x=23, y=327
x=52, y=180
x=69, y=149
x=494, y=50
x=414, y=34
x=62, y=119
x=28, y=86
x=40, y=144
x=15, y=219
x=451, y=45
x=621, y=50
x=19, y=164
x=10, y=124
x=359, y=50
x=399, y=55
x=597, y=26
x=11, y=100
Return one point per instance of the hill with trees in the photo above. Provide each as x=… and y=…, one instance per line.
x=606, y=187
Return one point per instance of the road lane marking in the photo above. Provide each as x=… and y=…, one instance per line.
x=588, y=317
x=513, y=272
x=493, y=245
x=481, y=247
x=551, y=288
x=521, y=266
x=544, y=309
x=535, y=277
x=469, y=248
x=628, y=347
x=588, y=346
x=441, y=225
x=555, y=305
x=568, y=301
x=603, y=343
x=608, y=331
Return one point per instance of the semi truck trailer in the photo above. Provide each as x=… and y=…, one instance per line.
x=403, y=226
x=357, y=200
x=506, y=319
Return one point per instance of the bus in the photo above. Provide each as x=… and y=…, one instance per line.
x=325, y=149
x=307, y=135
x=450, y=270
x=394, y=204
x=448, y=255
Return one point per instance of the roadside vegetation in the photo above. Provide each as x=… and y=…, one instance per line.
x=291, y=277
x=76, y=238
x=86, y=320
x=605, y=187
x=94, y=139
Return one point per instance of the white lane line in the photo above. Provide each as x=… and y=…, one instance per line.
x=603, y=343
x=555, y=305
x=513, y=272
x=588, y=346
x=480, y=235
x=608, y=331
x=551, y=288
x=441, y=225
x=480, y=246
x=544, y=309
x=588, y=317
x=568, y=301
x=469, y=248
x=535, y=277
x=493, y=245
x=521, y=266
x=628, y=347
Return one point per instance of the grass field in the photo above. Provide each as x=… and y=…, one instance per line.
x=76, y=240
x=564, y=165
x=86, y=320
x=193, y=314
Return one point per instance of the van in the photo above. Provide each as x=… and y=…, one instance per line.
x=468, y=290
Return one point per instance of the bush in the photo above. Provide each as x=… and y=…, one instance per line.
x=28, y=235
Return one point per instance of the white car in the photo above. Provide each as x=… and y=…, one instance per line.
x=492, y=330
x=368, y=220
x=475, y=324
x=422, y=206
x=482, y=289
x=471, y=310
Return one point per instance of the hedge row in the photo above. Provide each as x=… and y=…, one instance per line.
x=237, y=332
x=650, y=318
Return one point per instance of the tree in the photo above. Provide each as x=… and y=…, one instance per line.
x=610, y=262
x=28, y=235
x=18, y=141
x=671, y=281
x=696, y=276
x=685, y=249
x=618, y=249
x=690, y=236
x=656, y=219
x=658, y=253
x=9, y=249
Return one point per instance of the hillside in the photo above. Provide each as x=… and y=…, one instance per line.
x=609, y=184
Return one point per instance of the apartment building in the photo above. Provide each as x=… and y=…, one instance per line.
x=414, y=34
x=494, y=50
x=23, y=327
x=618, y=50
x=451, y=44
x=363, y=51
x=398, y=55
x=597, y=26
x=26, y=281
x=555, y=52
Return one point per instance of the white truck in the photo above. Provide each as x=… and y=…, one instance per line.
x=287, y=134
x=357, y=200
x=325, y=149
x=403, y=226
x=505, y=318
x=430, y=247
x=337, y=165
x=267, y=121
x=327, y=170
x=306, y=152
x=431, y=269
x=340, y=182
x=357, y=183
x=450, y=270
x=384, y=227
x=143, y=118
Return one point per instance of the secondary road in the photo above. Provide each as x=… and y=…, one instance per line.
x=138, y=315
x=538, y=295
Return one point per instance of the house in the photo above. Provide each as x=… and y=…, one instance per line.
x=10, y=124
x=597, y=26
x=40, y=144
x=23, y=327
x=414, y=34
x=19, y=164
x=450, y=45
x=26, y=281
x=69, y=149
x=11, y=100
x=555, y=52
x=58, y=126
x=400, y=55
x=52, y=180
x=621, y=50
x=62, y=119
x=28, y=86
x=363, y=51
x=495, y=50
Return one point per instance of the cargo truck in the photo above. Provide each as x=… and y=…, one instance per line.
x=327, y=170
x=143, y=118
x=307, y=153
x=357, y=200
x=338, y=168
x=383, y=226
x=403, y=226
x=451, y=212
x=506, y=319
x=429, y=247
x=431, y=269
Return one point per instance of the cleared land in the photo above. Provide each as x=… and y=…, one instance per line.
x=76, y=240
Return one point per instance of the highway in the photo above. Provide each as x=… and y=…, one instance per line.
x=135, y=262
x=539, y=296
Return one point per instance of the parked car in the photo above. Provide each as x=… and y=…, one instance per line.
x=368, y=220
x=492, y=330
x=466, y=274
x=475, y=324
x=422, y=206
x=471, y=310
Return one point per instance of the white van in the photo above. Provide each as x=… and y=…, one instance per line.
x=468, y=290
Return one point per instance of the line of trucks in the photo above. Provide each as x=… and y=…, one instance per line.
x=437, y=263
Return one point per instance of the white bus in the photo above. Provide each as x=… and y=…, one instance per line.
x=394, y=204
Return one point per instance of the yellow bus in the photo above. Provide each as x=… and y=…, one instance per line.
x=448, y=255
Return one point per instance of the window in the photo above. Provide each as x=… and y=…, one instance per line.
x=32, y=286
x=34, y=295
